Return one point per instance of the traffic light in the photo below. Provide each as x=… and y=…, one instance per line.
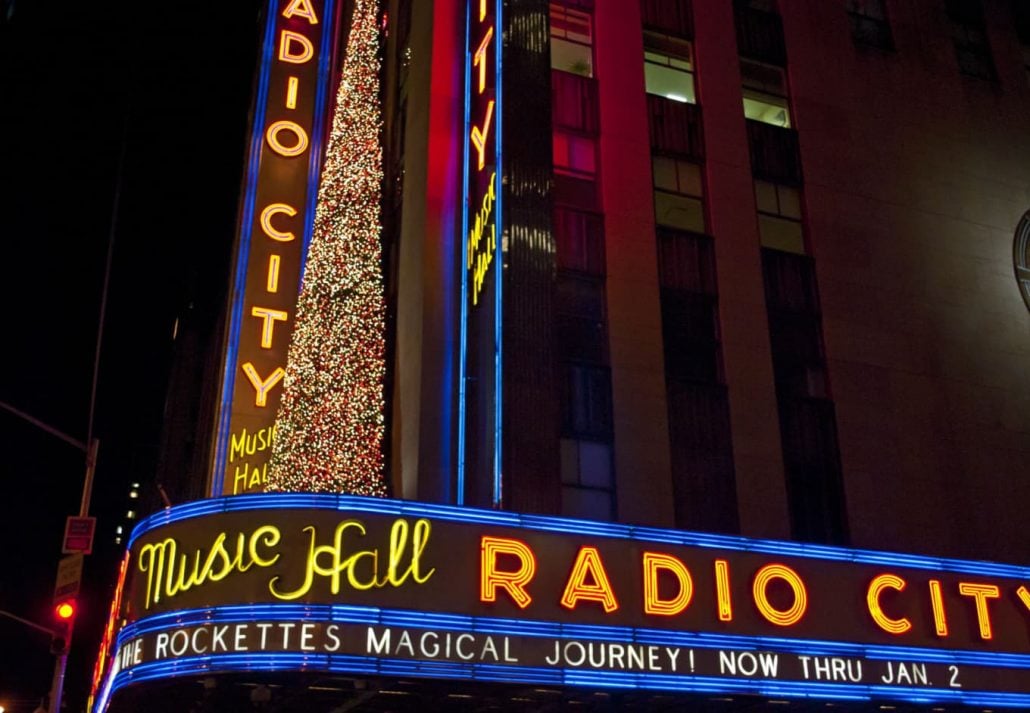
x=64, y=619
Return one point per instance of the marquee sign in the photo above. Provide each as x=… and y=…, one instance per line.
x=381, y=587
x=275, y=224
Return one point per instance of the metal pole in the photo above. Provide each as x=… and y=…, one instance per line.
x=87, y=485
x=57, y=686
x=26, y=622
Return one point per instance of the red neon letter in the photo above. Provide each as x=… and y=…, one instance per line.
x=872, y=597
x=479, y=136
x=653, y=604
x=514, y=583
x=588, y=562
x=981, y=593
x=780, y=571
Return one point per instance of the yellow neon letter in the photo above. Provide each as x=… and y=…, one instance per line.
x=722, y=590
x=479, y=59
x=272, y=135
x=780, y=571
x=588, y=562
x=1024, y=595
x=269, y=317
x=272, y=284
x=940, y=621
x=479, y=136
x=653, y=604
x=872, y=598
x=301, y=8
x=981, y=593
x=286, y=49
x=262, y=388
x=266, y=221
x=514, y=583
x=291, y=92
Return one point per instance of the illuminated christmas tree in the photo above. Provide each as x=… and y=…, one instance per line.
x=329, y=430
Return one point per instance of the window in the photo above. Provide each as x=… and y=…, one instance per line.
x=671, y=16
x=669, y=68
x=588, y=402
x=586, y=475
x=969, y=35
x=765, y=93
x=580, y=335
x=678, y=194
x=572, y=40
x=574, y=102
x=580, y=238
x=575, y=155
x=869, y=24
x=779, y=217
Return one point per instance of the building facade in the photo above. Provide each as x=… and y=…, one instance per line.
x=752, y=269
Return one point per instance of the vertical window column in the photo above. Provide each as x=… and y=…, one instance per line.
x=581, y=328
x=808, y=428
x=701, y=452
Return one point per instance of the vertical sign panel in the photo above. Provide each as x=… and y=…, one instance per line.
x=479, y=447
x=276, y=218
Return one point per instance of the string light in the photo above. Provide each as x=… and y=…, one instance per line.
x=329, y=430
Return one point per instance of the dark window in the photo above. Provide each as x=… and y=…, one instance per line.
x=969, y=35
x=587, y=482
x=588, y=402
x=580, y=238
x=686, y=262
x=675, y=127
x=759, y=32
x=701, y=454
x=775, y=156
x=869, y=24
x=574, y=102
x=690, y=333
x=581, y=334
x=670, y=16
x=574, y=154
x=808, y=429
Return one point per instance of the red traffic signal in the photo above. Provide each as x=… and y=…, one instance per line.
x=65, y=610
x=64, y=619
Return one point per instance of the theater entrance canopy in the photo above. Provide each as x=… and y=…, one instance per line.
x=371, y=601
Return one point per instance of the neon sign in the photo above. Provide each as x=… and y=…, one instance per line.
x=479, y=398
x=350, y=584
x=275, y=228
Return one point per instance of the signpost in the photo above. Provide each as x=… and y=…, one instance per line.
x=69, y=577
x=78, y=535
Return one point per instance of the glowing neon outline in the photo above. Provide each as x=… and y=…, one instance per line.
x=346, y=663
x=247, y=218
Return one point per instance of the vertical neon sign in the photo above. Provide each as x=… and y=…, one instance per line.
x=275, y=227
x=479, y=415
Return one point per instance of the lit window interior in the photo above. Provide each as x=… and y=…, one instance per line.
x=571, y=40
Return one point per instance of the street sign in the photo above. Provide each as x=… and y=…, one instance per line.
x=78, y=535
x=69, y=576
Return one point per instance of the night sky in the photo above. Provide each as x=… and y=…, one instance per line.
x=78, y=81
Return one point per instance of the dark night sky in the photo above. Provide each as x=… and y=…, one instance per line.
x=76, y=79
